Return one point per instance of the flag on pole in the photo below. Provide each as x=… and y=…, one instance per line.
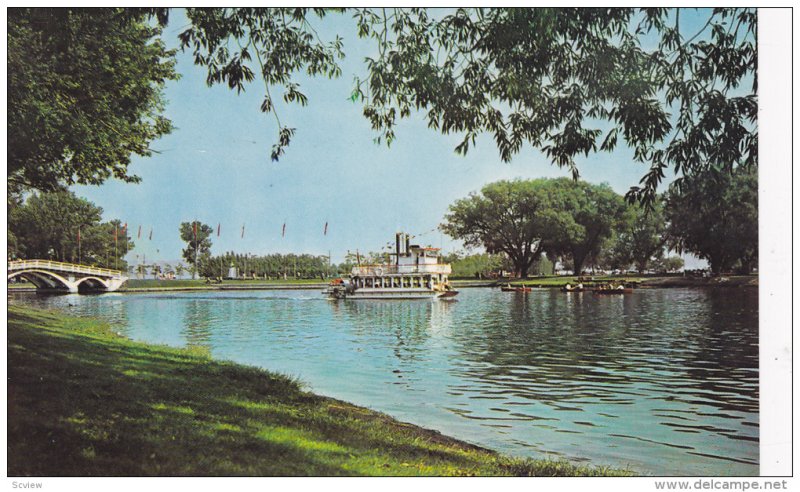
x=139, y=235
x=325, y=232
x=79, y=234
x=218, y=227
x=283, y=231
x=194, y=228
x=115, y=234
x=242, y=231
x=125, y=228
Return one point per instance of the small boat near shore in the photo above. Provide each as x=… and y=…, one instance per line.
x=519, y=288
x=415, y=274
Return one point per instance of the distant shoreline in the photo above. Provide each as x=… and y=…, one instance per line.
x=742, y=281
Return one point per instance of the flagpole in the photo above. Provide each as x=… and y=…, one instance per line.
x=126, y=243
x=195, y=250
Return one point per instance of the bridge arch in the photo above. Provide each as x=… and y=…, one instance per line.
x=44, y=279
x=93, y=283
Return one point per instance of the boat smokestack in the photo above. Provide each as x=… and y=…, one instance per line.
x=397, y=248
x=408, y=243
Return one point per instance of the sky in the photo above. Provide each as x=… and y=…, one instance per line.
x=215, y=167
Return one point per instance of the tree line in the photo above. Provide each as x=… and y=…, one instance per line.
x=524, y=226
x=197, y=254
x=714, y=217
x=61, y=226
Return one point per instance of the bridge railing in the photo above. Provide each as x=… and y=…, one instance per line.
x=63, y=267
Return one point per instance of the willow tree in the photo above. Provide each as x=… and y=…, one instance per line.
x=590, y=214
x=523, y=219
x=84, y=95
x=715, y=216
x=516, y=218
x=678, y=86
x=640, y=239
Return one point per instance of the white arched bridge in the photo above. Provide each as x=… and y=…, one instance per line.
x=55, y=275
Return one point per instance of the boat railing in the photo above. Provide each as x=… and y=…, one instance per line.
x=380, y=270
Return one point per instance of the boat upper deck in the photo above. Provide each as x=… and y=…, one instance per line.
x=380, y=270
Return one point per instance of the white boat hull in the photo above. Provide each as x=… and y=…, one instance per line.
x=367, y=293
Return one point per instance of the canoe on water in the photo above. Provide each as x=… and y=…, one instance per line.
x=515, y=289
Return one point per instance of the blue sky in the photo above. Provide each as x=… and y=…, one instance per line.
x=215, y=167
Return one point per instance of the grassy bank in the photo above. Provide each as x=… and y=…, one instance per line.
x=552, y=281
x=201, y=283
x=722, y=281
x=85, y=401
x=562, y=280
x=643, y=281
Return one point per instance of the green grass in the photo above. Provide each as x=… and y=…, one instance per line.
x=559, y=281
x=562, y=280
x=183, y=284
x=83, y=401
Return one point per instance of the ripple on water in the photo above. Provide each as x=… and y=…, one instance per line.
x=663, y=380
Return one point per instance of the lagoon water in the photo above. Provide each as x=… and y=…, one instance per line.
x=662, y=381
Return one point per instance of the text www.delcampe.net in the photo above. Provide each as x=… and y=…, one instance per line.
x=705, y=484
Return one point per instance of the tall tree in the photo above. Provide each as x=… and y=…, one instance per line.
x=513, y=217
x=198, y=248
x=84, y=94
x=62, y=226
x=679, y=86
x=715, y=216
x=641, y=239
x=589, y=215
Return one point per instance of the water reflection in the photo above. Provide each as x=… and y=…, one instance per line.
x=197, y=322
x=407, y=329
x=688, y=364
x=664, y=381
